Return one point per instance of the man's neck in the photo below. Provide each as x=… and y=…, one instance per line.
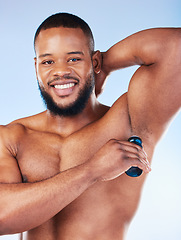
x=68, y=125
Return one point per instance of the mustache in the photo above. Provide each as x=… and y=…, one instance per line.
x=65, y=77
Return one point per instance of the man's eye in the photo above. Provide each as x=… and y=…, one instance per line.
x=47, y=62
x=74, y=59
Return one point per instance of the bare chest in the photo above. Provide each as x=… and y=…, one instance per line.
x=43, y=155
x=39, y=156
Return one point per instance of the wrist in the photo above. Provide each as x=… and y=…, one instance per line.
x=93, y=170
x=90, y=172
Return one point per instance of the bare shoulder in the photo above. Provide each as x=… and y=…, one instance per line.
x=11, y=130
x=115, y=123
x=31, y=122
x=118, y=120
x=11, y=133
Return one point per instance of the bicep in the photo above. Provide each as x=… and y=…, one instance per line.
x=154, y=97
x=9, y=169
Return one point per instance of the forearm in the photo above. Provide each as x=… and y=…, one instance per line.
x=28, y=205
x=143, y=48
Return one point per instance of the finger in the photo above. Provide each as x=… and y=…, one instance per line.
x=137, y=163
x=130, y=159
x=144, y=167
x=132, y=147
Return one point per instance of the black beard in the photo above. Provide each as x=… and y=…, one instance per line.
x=74, y=108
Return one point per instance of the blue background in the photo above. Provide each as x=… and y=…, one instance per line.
x=158, y=216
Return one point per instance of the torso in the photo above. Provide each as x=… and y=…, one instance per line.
x=105, y=209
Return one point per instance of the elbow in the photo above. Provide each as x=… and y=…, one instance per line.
x=6, y=224
x=173, y=47
x=3, y=226
x=168, y=45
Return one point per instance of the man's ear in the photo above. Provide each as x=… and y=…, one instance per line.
x=100, y=76
x=97, y=61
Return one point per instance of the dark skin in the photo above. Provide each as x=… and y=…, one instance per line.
x=68, y=173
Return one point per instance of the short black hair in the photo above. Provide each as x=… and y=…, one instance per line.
x=66, y=20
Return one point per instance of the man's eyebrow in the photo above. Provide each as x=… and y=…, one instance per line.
x=75, y=52
x=45, y=55
x=69, y=53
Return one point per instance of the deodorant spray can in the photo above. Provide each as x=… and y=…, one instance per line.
x=135, y=171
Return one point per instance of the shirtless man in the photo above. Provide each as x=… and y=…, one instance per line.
x=62, y=172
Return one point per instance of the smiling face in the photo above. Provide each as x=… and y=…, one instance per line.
x=64, y=67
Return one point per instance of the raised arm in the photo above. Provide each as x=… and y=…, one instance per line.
x=154, y=94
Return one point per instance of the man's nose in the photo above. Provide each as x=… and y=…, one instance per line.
x=61, y=69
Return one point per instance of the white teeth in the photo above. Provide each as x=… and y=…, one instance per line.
x=64, y=86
